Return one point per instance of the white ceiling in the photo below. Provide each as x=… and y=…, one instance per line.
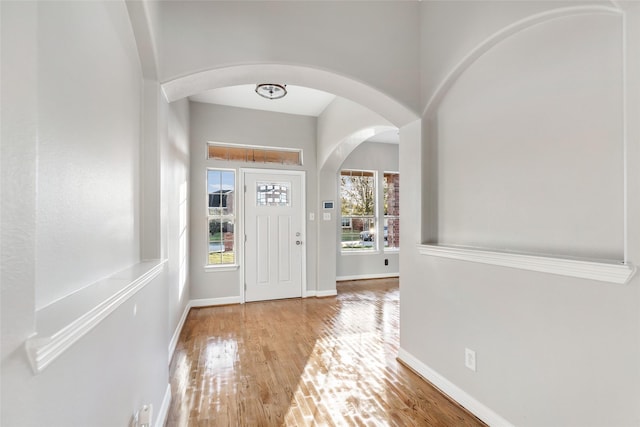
x=299, y=100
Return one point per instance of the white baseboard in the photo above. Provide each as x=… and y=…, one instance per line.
x=367, y=276
x=453, y=391
x=205, y=302
x=176, y=334
x=320, y=294
x=163, y=411
x=329, y=293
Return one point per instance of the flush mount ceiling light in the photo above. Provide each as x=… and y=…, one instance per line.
x=271, y=90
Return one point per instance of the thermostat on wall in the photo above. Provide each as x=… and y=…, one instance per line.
x=327, y=204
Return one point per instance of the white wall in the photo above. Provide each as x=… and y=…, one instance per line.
x=381, y=158
x=558, y=345
x=535, y=123
x=88, y=122
x=102, y=379
x=18, y=162
x=549, y=348
x=342, y=126
x=242, y=126
x=177, y=189
x=347, y=38
x=482, y=20
x=71, y=129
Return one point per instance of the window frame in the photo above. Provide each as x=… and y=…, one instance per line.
x=263, y=151
x=222, y=266
x=385, y=217
x=375, y=248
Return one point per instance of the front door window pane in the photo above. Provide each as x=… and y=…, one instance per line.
x=273, y=194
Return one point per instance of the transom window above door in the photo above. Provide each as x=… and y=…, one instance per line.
x=253, y=154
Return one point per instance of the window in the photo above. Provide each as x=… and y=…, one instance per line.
x=253, y=154
x=358, y=207
x=221, y=216
x=391, y=227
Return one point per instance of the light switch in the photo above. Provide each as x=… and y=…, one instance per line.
x=312, y=216
x=326, y=216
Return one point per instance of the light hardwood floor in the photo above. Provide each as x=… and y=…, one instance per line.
x=303, y=362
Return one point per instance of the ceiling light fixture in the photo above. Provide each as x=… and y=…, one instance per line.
x=271, y=90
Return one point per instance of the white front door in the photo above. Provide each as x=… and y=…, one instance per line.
x=274, y=230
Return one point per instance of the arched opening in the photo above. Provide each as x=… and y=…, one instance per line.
x=342, y=86
x=358, y=113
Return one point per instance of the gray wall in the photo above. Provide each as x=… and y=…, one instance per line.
x=519, y=155
x=373, y=157
x=302, y=33
x=87, y=222
x=177, y=193
x=71, y=130
x=528, y=162
x=342, y=126
x=551, y=350
x=214, y=123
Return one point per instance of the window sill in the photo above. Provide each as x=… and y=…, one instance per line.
x=216, y=268
x=360, y=252
x=600, y=270
x=392, y=250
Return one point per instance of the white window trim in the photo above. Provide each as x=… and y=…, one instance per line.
x=222, y=267
x=360, y=252
x=376, y=248
x=384, y=249
x=300, y=151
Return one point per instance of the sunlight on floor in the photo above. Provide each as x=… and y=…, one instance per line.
x=336, y=386
x=303, y=362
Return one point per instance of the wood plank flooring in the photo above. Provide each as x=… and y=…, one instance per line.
x=303, y=362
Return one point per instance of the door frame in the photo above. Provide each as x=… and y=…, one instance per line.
x=303, y=218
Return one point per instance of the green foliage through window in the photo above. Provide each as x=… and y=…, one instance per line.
x=358, y=210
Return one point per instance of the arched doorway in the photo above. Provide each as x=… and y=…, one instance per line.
x=362, y=112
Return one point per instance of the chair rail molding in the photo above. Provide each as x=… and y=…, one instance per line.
x=64, y=322
x=600, y=270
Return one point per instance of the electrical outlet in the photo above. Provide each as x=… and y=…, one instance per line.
x=470, y=359
x=143, y=416
x=386, y=261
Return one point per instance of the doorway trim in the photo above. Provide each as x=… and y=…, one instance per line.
x=303, y=190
